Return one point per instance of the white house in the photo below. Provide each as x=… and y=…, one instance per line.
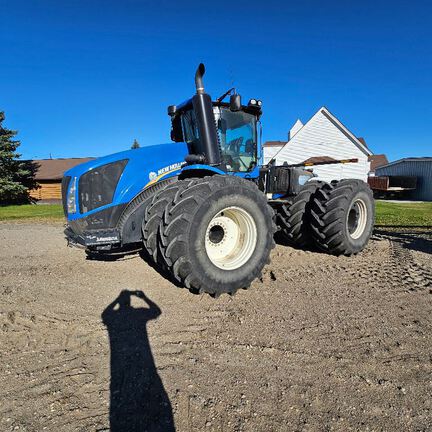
x=271, y=148
x=323, y=136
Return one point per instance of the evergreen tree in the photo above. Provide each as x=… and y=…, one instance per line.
x=135, y=145
x=16, y=176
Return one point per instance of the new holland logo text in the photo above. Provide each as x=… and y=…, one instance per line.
x=172, y=167
x=164, y=170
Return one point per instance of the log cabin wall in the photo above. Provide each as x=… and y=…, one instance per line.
x=47, y=191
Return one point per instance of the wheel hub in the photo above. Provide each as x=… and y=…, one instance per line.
x=216, y=234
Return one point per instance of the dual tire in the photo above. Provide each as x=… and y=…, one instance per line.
x=335, y=217
x=342, y=217
x=213, y=234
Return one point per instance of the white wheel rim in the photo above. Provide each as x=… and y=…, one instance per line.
x=231, y=238
x=358, y=206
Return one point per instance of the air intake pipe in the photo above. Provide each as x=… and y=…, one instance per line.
x=208, y=147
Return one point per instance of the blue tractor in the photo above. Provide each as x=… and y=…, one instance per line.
x=204, y=208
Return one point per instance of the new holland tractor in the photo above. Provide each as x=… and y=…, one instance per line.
x=204, y=208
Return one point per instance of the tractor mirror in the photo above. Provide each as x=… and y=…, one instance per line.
x=235, y=102
x=176, y=129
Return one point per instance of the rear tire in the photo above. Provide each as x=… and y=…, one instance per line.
x=342, y=216
x=217, y=234
x=293, y=218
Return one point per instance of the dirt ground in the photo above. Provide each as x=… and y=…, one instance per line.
x=320, y=343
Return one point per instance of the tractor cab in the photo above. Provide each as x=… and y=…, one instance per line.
x=218, y=133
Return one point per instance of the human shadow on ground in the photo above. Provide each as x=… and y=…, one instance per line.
x=138, y=400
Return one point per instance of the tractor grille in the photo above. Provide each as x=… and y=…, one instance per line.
x=64, y=189
x=96, y=188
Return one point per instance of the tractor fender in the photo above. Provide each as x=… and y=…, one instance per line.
x=199, y=170
x=130, y=221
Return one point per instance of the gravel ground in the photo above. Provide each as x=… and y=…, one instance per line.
x=320, y=343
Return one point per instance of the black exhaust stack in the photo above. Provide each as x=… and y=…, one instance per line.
x=209, y=151
x=198, y=78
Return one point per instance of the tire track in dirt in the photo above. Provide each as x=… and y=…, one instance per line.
x=403, y=266
x=395, y=265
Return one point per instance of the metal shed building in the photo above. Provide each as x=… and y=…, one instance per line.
x=416, y=167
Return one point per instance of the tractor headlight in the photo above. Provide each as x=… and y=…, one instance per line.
x=259, y=103
x=71, y=197
x=253, y=102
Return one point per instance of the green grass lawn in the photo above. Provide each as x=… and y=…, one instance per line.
x=48, y=212
x=387, y=213
x=403, y=214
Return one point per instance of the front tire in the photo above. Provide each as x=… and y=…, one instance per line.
x=153, y=216
x=342, y=217
x=217, y=234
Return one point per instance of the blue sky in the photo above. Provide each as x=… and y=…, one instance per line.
x=84, y=78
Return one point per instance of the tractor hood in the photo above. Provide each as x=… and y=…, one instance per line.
x=143, y=167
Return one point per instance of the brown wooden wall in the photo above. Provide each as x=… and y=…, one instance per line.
x=378, y=183
x=47, y=191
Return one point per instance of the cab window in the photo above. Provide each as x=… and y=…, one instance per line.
x=237, y=135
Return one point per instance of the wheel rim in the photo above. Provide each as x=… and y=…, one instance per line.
x=231, y=237
x=357, y=218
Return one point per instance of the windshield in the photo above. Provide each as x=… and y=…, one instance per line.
x=237, y=135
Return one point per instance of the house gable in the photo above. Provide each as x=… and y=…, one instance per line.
x=360, y=144
x=296, y=127
x=324, y=135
